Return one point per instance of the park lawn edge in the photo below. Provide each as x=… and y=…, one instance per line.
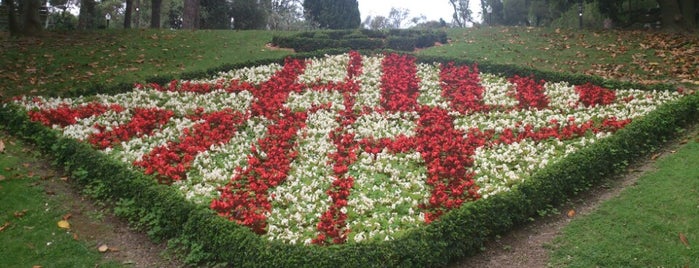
x=167, y=216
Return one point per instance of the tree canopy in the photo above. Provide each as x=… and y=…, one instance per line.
x=333, y=14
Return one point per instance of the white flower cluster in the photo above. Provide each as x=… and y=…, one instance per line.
x=430, y=86
x=324, y=70
x=370, y=83
x=253, y=75
x=385, y=125
x=387, y=191
x=300, y=201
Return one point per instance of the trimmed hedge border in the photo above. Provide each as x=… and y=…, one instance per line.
x=208, y=239
x=396, y=39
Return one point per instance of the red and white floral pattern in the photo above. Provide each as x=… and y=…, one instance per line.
x=344, y=148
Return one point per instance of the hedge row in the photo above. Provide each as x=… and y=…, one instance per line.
x=400, y=40
x=210, y=240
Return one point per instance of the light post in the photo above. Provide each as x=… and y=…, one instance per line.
x=108, y=17
x=580, y=14
x=489, y=10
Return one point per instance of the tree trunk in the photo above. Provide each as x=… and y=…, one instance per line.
x=127, y=14
x=689, y=15
x=137, y=16
x=670, y=14
x=155, y=13
x=32, y=21
x=86, y=19
x=190, y=15
x=13, y=20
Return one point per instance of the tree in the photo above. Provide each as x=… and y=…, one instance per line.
x=397, y=16
x=284, y=14
x=215, y=14
x=516, y=12
x=127, y=14
x=678, y=15
x=86, y=19
x=462, y=13
x=377, y=23
x=190, y=15
x=155, y=9
x=248, y=14
x=333, y=14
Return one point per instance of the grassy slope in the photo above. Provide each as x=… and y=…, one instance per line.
x=32, y=236
x=59, y=63
x=643, y=226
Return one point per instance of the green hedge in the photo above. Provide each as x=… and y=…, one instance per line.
x=395, y=39
x=211, y=240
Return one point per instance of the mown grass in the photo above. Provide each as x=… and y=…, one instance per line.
x=646, y=226
x=31, y=236
x=59, y=63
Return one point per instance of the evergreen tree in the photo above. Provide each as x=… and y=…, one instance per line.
x=333, y=14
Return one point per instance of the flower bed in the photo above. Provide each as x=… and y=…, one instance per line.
x=345, y=148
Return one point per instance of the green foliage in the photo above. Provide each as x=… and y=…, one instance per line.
x=395, y=39
x=248, y=14
x=215, y=14
x=333, y=14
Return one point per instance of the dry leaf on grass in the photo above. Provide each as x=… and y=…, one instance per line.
x=64, y=224
x=2, y=147
x=4, y=226
x=103, y=248
x=571, y=213
x=684, y=240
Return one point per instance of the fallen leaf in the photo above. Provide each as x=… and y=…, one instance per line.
x=67, y=216
x=4, y=226
x=64, y=178
x=37, y=266
x=655, y=156
x=571, y=213
x=2, y=147
x=19, y=214
x=75, y=236
x=103, y=248
x=63, y=224
x=684, y=240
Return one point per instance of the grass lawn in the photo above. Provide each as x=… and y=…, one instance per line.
x=647, y=218
x=651, y=224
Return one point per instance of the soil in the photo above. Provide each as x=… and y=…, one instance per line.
x=526, y=246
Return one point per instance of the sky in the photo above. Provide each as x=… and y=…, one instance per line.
x=432, y=9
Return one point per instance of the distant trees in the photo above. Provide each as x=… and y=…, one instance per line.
x=333, y=14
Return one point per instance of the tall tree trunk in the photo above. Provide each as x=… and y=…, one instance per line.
x=190, y=14
x=13, y=19
x=155, y=13
x=671, y=15
x=689, y=13
x=137, y=16
x=32, y=21
x=127, y=14
x=86, y=19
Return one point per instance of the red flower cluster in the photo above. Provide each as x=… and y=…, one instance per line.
x=144, y=121
x=333, y=222
x=172, y=160
x=447, y=154
x=272, y=94
x=530, y=93
x=65, y=115
x=244, y=199
x=591, y=95
x=461, y=88
x=399, y=84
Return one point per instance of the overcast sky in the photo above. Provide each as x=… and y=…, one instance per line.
x=432, y=9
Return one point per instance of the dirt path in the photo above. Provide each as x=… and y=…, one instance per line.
x=527, y=246
x=97, y=227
